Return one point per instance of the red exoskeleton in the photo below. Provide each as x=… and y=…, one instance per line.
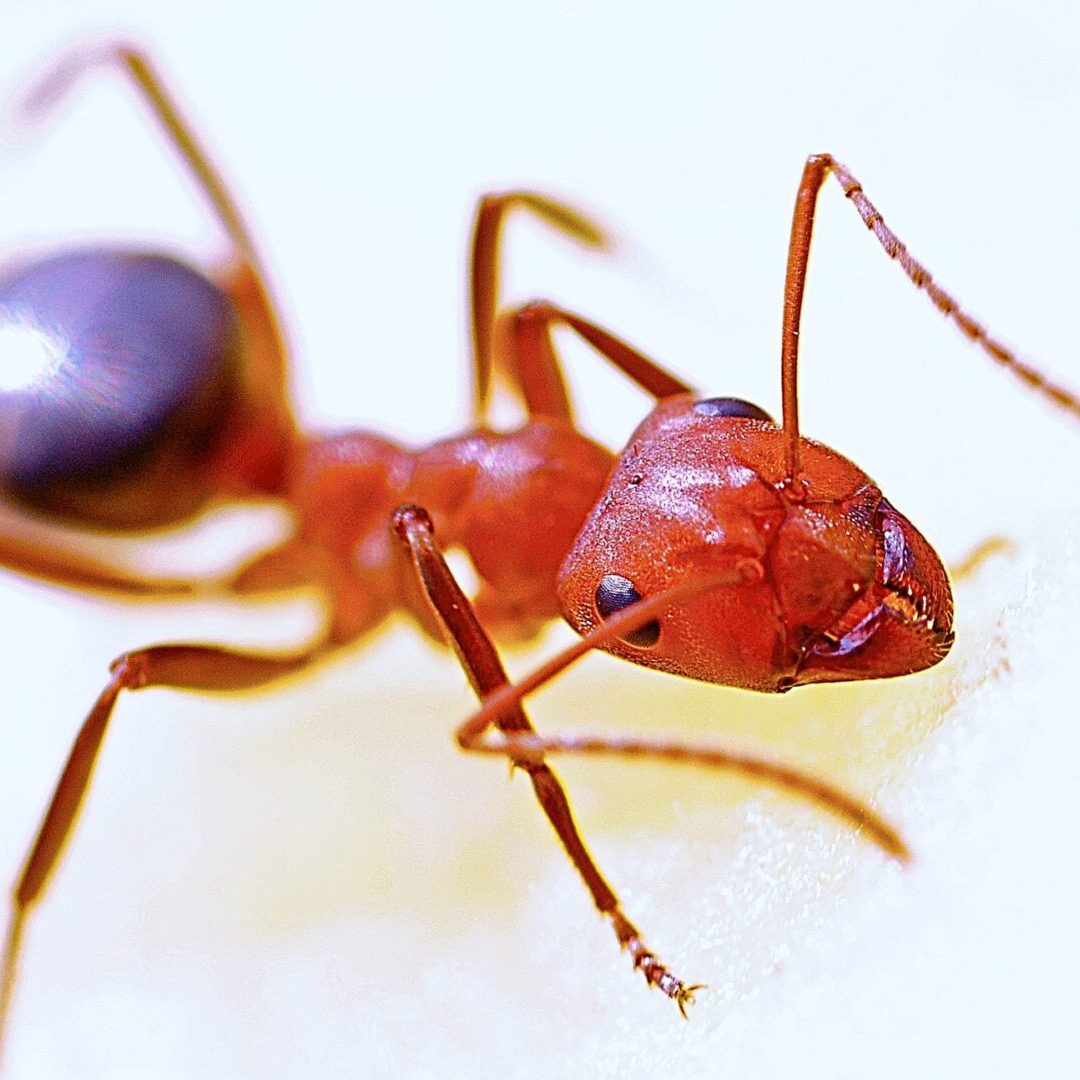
x=719, y=545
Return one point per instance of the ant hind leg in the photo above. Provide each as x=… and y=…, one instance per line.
x=190, y=667
x=64, y=74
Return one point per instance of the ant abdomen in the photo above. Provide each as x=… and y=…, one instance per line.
x=118, y=372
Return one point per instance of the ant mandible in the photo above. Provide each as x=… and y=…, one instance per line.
x=719, y=546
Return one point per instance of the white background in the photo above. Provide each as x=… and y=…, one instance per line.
x=314, y=882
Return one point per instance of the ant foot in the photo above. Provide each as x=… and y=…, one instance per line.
x=685, y=996
x=655, y=973
x=675, y=989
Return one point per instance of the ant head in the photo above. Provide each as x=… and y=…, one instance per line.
x=828, y=583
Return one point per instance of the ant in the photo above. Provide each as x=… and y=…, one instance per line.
x=719, y=545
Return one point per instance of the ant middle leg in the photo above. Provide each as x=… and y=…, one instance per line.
x=521, y=339
x=537, y=371
x=484, y=273
x=58, y=566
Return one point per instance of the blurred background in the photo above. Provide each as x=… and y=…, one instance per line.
x=314, y=881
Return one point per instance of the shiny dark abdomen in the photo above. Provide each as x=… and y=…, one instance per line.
x=119, y=430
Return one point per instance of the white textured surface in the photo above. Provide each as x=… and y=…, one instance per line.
x=314, y=882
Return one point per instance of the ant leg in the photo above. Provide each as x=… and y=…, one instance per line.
x=491, y=213
x=485, y=671
x=57, y=566
x=186, y=667
x=982, y=553
x=536, y=367
x=414, y=529
x=526, y=749
x=245, y=282
x=817, y=168
x=509, y=696
x=58, y=82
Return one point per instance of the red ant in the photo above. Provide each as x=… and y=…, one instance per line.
x=719, y=546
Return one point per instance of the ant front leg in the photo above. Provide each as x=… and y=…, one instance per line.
x=980, y=555
x=502, y=709
x=185, y=667
x=486, y=674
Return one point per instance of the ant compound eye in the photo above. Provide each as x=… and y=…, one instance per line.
x=615, y=593
x=732, y=407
